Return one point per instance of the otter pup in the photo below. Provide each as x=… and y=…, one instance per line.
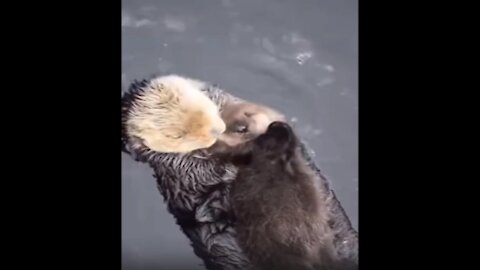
x=170, y=114
x=244, y=122
x=278, y=204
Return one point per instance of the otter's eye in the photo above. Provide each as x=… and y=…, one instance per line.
x=176, y=134
x=241, y=128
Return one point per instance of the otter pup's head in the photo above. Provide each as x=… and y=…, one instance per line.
x=246, y=121
x=170, y=114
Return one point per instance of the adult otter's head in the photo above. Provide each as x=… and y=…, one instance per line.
x=246, y=121
x=279, y=142
x=170, y=114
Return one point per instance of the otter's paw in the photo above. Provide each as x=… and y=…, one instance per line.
x=278, y=139
x=278, y=134
x=279, y=131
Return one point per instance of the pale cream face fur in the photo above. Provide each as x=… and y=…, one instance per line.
x=174, y=116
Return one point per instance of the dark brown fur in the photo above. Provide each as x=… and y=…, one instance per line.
x=281, y=219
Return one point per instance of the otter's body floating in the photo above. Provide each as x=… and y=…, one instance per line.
x=196, y=189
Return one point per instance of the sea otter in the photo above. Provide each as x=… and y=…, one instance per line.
x=196, y=185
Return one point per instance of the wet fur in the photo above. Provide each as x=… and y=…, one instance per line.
x=196, y=187
x=171, y=114
x=281, y=217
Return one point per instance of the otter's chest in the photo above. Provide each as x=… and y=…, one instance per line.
x=198, y=188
